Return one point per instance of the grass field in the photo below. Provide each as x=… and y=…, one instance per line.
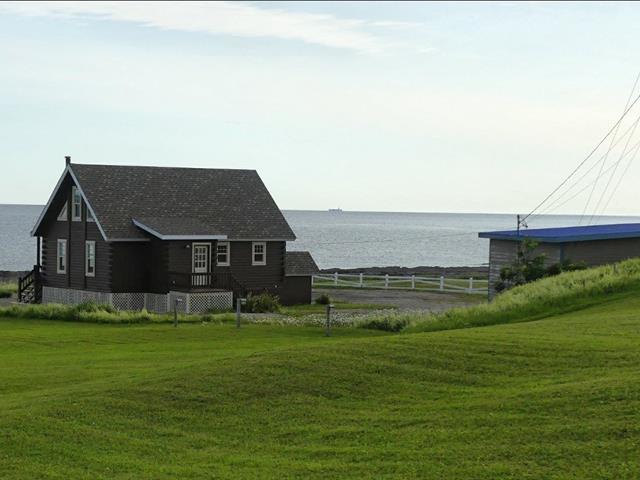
x=553, y=398
x=8, y=289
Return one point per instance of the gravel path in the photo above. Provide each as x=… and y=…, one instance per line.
x=401, y=299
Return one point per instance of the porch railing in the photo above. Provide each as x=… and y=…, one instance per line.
x=221, y=280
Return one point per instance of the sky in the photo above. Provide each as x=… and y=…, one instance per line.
x=433, y=107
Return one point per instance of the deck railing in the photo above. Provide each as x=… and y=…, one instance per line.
x=193, y=281
x=406, y=282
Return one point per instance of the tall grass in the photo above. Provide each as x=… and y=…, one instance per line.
x=8, y=289
x=565, y=292
x=97, y=313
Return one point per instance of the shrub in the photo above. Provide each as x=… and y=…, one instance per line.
x=262, y=303
x=323, y=299
x=389, y=322
x=8, y=289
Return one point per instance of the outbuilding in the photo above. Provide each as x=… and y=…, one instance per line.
x=593, y=244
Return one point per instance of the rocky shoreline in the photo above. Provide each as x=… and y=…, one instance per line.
x=460, y=272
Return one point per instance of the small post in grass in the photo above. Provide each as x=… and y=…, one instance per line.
x=441, y=282
x=176, y=301
x=239, y=303
x=327, y=332
x=470, y=284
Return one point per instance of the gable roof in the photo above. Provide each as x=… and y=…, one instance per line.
x=178, y=202
x=569, y=234
x=299, y=264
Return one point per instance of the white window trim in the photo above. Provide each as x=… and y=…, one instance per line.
x=62, y=216
x=193, y=257
x=228, y=262
x=61, y=241
x=74, y=217
x=90, y=218
x=88, y=243
x=253, y=254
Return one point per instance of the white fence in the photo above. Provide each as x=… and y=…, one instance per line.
x=413, y=282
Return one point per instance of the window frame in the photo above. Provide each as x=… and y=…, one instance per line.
x=61, y=241
x=89, y=246
x=62, y=216
x=226, y=263
x=76, y=195
x=90, y=218
x=263, y=262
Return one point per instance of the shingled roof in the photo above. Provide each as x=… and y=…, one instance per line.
x=299, y=264
x=174, y=202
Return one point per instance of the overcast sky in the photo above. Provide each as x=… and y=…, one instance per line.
x=365, y=106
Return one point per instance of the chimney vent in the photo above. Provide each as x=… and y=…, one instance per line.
x=67, y=160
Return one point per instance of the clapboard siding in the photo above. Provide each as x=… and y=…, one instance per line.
x=158, y=266
x=602, y=252
x=269, y=277
x=296, y=290
x=76, y=234
x=130, y=270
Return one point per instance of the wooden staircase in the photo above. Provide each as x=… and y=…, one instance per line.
x=29, y=287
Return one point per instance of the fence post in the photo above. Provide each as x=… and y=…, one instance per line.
x=361, y=281
x=386, y=280
x=441, y=282
x=335, y=279
x=413, y=281
x=470, y=284
x=327, y=331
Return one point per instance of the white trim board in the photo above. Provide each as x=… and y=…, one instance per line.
x=150, y=230
x=69, y=171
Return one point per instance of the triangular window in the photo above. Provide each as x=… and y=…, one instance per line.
x=62, y=216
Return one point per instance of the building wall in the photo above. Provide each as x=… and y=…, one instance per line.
x=296, y=290
x=269, y=277
x=76, y=233
x=602, y=252
x=593, y=253
x=130, y=267
x=505, y=252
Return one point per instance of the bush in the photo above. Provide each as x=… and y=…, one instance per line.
x=392, y=322
x=8, y=289
x=323, y=299
x=262, y=303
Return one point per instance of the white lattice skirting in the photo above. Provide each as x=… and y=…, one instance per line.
x=153, y=302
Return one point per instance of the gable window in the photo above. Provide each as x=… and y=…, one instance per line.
x=61, y=262
x=223, y=254
x=90, y=217
x=76, y=208
x=90, y=259
x=259, y=253
x=62, y=216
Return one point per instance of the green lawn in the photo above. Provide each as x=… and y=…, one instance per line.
x=8, y=289
x=552, y=398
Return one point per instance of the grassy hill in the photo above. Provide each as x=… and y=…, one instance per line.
x=558, y=397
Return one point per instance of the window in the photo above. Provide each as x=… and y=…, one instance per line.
x=61, y=264
x=76, y=209
x=62, y=216
x=223, y=254
x=259, y=253
x=90, y=216
x=90, y=259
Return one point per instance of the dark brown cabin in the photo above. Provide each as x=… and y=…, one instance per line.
x=144, y=237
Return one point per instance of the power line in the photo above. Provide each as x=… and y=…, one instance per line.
x=615, y=189
x=635, y=147
x=613, y=137
x=585, y=159
x=577, y=182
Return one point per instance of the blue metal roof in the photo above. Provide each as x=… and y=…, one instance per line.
x=569, y=234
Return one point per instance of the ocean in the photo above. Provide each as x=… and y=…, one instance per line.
x=342, y=239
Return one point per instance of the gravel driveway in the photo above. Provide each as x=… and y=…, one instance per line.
x=401, y=299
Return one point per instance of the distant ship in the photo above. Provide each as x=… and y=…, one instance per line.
x=335, y=209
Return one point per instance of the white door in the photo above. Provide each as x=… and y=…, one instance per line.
x=200, y=278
